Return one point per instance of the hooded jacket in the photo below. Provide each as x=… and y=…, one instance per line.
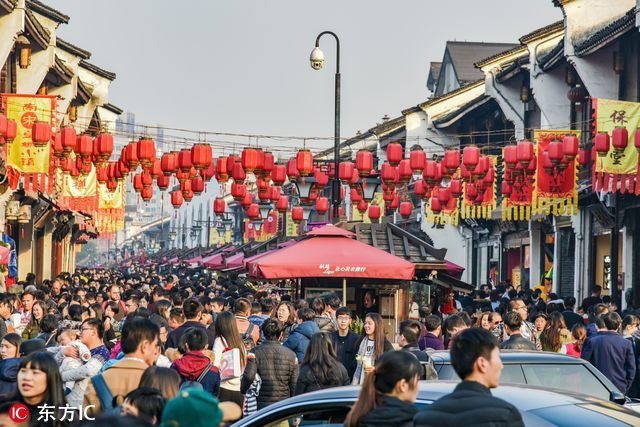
x=8, y=376
x=191, y=365
x=393, y=412
x=299, y=339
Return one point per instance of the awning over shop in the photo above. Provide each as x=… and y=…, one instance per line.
x=331, y=252
x=212, y=261
x=447, y=281
x=454, y=270
x=194, y=260
x=235, y=261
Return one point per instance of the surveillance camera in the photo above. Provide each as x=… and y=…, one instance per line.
x=316, y=58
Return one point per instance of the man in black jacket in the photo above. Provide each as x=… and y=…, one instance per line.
x=409, y=334
x=276, y=365
x=193, y=313
x=475, y=356
x=512, y=325
x=345, y=341
x=570, y=317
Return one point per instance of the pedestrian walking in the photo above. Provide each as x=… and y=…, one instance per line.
x=373, y=345
x=193, y=313
x=611, y=354
x=345, y=341
x=300, y=337
x=9, y=363
x=228, y=338
x=388, y=394
x=408, y=340
x=287, y=315
x=579, y=335
x=432, y=339
x=196, y=369
x=551, y=337
x=320, y=368
x=475, y=356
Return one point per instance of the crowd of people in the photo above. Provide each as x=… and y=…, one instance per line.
x=164, y=350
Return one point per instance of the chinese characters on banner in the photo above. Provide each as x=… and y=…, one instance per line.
x=617, y=167
x=555, y=193
x=110, y=213
x=22, y=154
x=79, y=193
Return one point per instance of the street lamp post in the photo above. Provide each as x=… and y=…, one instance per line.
x=317, y=62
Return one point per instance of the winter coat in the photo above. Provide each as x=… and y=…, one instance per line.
x=517, y=342
x=429, y=340
x=308, y=382
x=190, y=367
x=393, y=412
x=325, y=324
x=8, y=375
x=121, y=378
x=346, y=349
x=278, y=370
x=612, y=355
x=471, y=403
x=300, y=337
x=634, y=390
x=173, y=339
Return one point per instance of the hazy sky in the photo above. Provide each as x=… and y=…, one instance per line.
x=242, y=66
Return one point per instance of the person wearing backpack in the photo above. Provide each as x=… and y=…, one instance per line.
x=193, y=311
x=228, y=338
x=141, y=347
x=195, y=369
x=248, y=331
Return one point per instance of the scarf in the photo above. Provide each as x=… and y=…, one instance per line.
x=358, y=376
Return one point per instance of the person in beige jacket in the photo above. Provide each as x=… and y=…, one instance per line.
x=141, y=348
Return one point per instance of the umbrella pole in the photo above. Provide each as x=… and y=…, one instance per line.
x=344, y=291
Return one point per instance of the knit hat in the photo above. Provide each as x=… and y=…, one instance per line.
x=198, y=408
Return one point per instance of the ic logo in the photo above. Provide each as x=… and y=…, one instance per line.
x=19, y=413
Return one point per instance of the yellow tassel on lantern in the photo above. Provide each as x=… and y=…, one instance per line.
x=528, y=216
x=504, y=210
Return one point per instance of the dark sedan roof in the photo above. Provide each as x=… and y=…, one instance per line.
x=520, y=356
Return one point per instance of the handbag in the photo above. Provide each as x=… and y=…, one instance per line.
x=230, y=364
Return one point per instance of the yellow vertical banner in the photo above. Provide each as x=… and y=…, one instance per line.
x=292, y=227
x=22, y=154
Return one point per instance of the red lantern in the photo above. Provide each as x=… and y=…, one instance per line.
x=602, y=143
x=583, y=157
x=322, y=179
x=345, y=171
x=248, y=199
x=187, y=194
x=68, y=137
x=123, y=168
x=556, y=152
x=374, y=213
x=471, y=191
x=249, y=159
x=451, y=161
x=282, y=205
x=297, y=214
x=394, y=203
x=364, y=162
x=455, y=186
x=636, y=139
x=420, y=188
x=470, y=157
x=406, y=209
x=524, y=152
x=355, y=196
x=131, y=155
x=102, y=174
x=176, y=199
x=84, y=146
x=3, y=124
x=112, y=185
x=137, y=182
x=510, y=155
x=279, y=174
x=417, y=159
x=362, y=206
x=238, y=191
x=163, y=182
x=156, y=169
x=104, y=145
x=197, y=184
x=404, y=171
x=169, y=163
x=435, y=205
x=209, y=172
x=292, y=170
x=40, y=133
x=505, y=189
x=322, y=205
x=274, y=194
x=304, y=162
x=394, y=153
x=547, y=163
x=58, y=149
x=238, y=173
x=146, y=193
x=570, y=146
x=430, y=172
x=184, y=160
x=619, y=138
x=388, y=173
x=146, y=152
x=201, y=156
x=222, y=171
x=147, y=180
x=268, y=163
x=219, y=206
x=444, y=195
x=12, y=130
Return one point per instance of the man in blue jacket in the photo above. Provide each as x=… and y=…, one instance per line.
x=299, y=339
x=611, y=354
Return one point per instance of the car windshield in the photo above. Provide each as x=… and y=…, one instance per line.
x=577, y=377
x=581, y=415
